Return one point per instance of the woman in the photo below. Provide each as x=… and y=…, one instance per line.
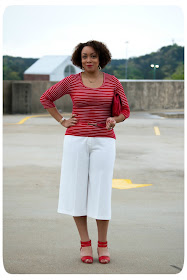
x=89, y=143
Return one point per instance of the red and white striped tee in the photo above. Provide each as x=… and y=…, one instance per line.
x=91, y=105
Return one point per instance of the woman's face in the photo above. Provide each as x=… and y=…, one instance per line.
x=89, y=59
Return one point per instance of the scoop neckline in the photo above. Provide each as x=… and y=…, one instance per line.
x=80, y=75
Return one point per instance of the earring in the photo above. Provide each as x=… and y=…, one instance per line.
x=82, y=68
x=99, y=67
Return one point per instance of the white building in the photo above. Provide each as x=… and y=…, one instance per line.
x=51, y=68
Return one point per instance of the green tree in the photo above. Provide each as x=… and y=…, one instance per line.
x=179, y=72
x=14, y=76
x=14, y=67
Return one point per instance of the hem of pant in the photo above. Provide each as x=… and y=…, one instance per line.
x=60, y=211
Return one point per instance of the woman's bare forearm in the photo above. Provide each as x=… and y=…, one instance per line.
x=55, y=113
x=119, y=118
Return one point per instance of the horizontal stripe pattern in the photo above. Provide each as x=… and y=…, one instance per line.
x=89, y=104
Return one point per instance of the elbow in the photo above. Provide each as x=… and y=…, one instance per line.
x=41, y=99
x=126, y=113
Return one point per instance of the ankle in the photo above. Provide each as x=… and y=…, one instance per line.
x=86, y=243
x=102, y=244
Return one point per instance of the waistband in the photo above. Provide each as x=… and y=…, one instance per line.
x=101, y=125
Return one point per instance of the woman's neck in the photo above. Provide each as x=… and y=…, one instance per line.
x=92, y=75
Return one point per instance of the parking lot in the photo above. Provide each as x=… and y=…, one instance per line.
x=146, y=232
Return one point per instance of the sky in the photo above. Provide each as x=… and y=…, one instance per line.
x=127, y=30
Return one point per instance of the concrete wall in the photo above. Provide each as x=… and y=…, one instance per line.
x=142, y=95
x=21, y=98
x=150, y=94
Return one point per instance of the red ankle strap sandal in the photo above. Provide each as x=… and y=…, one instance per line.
x=86, y=259
x=103, y=259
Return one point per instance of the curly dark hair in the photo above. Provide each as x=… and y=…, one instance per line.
x=100, y=48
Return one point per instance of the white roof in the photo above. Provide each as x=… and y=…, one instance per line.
x=46, y=64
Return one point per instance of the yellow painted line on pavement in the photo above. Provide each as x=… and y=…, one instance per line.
x=157, y=131
x=25, y=119
x=35, y=116
x=126, y=184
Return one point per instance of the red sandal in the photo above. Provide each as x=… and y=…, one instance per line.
x=85, y=258
x=106, y=258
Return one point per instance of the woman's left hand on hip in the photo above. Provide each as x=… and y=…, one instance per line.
x=110, y=123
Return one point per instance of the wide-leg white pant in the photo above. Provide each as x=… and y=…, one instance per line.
x=86, y=176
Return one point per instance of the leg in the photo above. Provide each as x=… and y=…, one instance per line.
x=102, y=226
x=101, y=166
x=81, y=223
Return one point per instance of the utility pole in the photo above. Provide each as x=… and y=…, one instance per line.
x=126, y=64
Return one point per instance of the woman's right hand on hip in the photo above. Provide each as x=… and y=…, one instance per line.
x=70, y=122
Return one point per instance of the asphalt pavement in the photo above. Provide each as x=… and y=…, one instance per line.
x=146, y=232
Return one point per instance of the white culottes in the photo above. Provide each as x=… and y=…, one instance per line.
x=86, y=176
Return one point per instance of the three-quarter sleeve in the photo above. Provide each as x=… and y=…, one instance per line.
x=125, y=106
x=55, y=92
